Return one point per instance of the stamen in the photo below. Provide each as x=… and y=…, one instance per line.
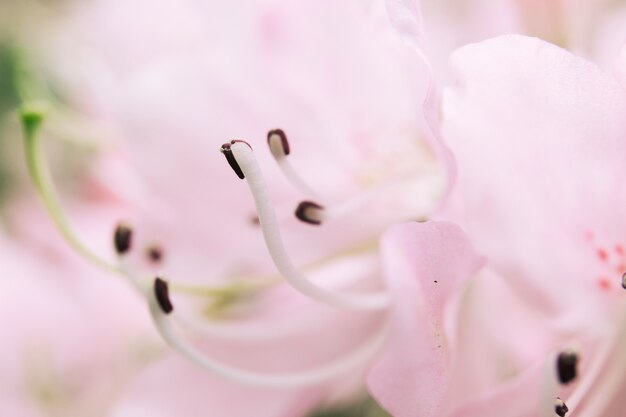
x=122, y=239
x=310, y=212
x=161, y=293
x=548, y=388
x=566, y=366
x=604, y=375
x=560, y=407
x=32, y=116
x=226, y=150
x=348, y=207
x=244, y=158
x=278, y=143
x=624, y=280
x=280, y=380
x=279, y=147
x=154, y=253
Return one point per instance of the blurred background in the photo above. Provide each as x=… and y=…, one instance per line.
x=145, y=88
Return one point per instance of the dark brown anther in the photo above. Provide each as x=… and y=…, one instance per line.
x=306, y=212
x=230, y=158
x=560, y=408
x=154, y=253
x=122, y=239
x=624, y=280
x=161, y=292
x=283, y=140
x=566, y=366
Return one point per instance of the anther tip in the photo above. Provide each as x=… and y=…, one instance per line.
x=624, y=280
x=560, y=407
x=277, y=141
x=567, y=363
x=309, y=212
x=230, y=158
x=154, y=253
x=161, y=292
x=123, y=238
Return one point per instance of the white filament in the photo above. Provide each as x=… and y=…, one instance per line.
x=235, y=331
x=549, y=387
x=273, y=240
x=140, y=284
x=278, y=380
x=352, y=205
x=278, y=152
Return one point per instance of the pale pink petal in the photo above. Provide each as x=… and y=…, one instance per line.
x=620, y=66
x=494, y=351
x=539, y=138
x=425, y=264
x=514, y=398
x=406, y=17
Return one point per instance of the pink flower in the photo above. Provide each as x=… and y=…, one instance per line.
x=348, y=93
x=538, y=135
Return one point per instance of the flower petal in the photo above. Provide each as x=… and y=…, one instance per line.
x=406, y=17
x=425, y=264
x=620, y=66
x=539, y=139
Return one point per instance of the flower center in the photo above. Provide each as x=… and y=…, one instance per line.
x=240, y=157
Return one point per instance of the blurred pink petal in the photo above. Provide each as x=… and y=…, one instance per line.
x=406, y=17
x=173, y=387
x=66, y=350
x=620, y=66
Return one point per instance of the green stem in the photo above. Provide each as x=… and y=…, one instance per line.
x=32, y=116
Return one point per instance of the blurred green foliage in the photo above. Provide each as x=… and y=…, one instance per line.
x=23, y=82
x=9, y=100
x=366, y=407
x=8, y=87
